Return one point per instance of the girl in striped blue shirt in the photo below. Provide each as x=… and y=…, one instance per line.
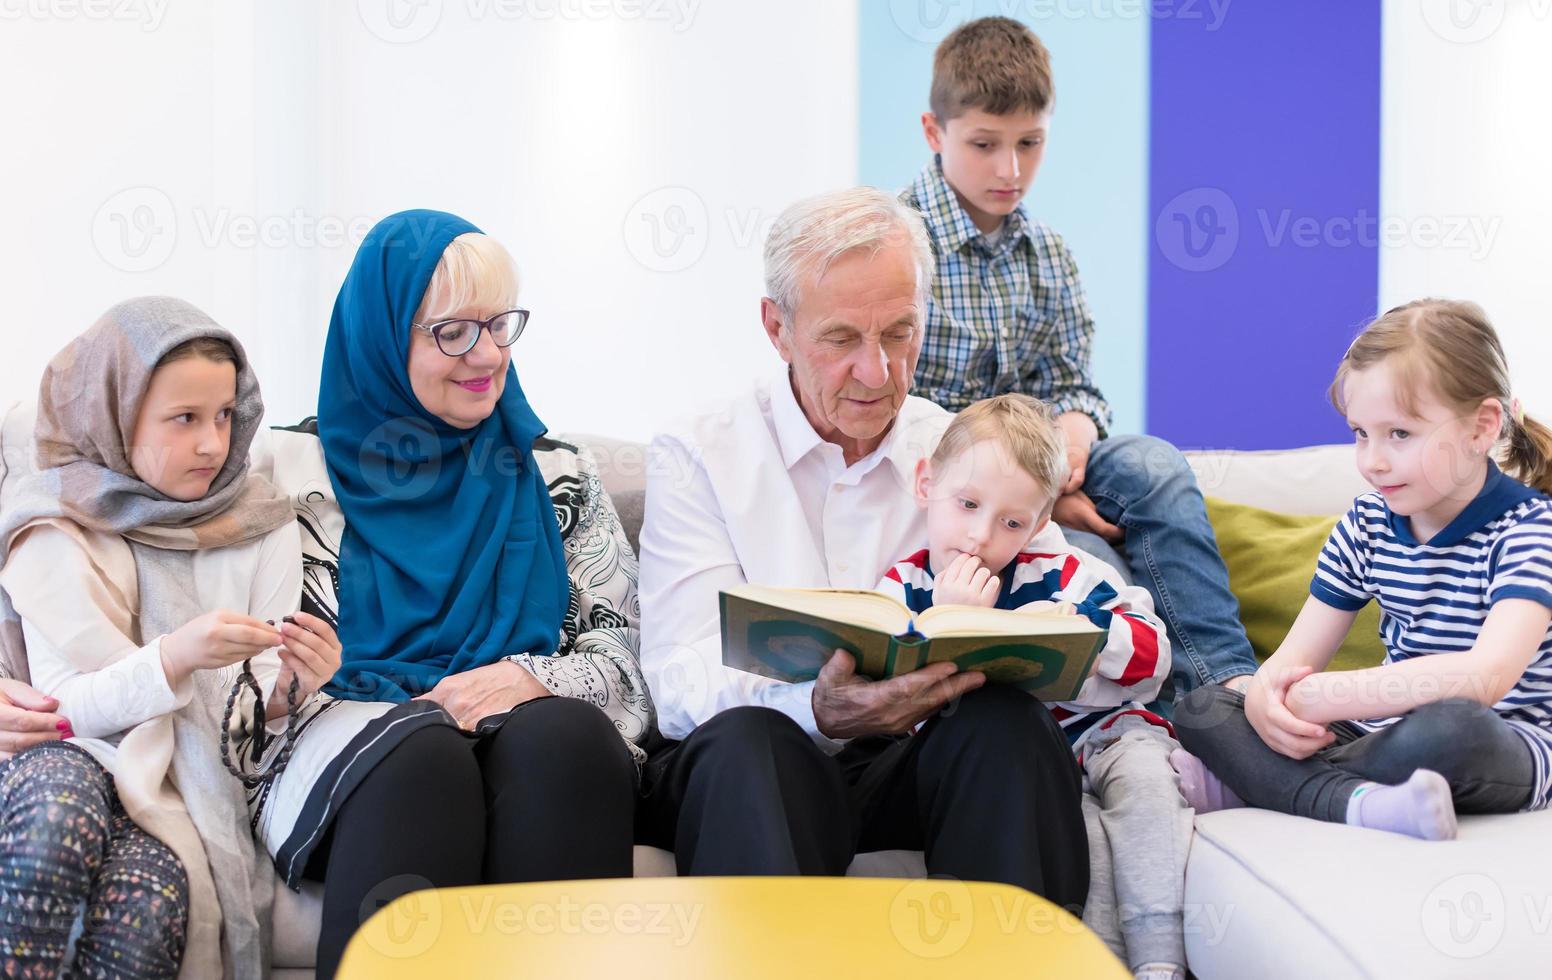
x=1458, y=553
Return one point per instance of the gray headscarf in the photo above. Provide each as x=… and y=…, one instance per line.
x=88, y=405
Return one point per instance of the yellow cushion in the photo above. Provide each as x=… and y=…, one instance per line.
x=1271, y=559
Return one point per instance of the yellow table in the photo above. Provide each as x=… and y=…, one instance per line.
x=805, y=928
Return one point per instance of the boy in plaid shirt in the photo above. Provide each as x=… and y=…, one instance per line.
x=1008, y=314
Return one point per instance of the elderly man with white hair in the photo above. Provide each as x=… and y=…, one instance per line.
x=804, y=481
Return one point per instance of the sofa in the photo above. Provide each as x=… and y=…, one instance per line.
x=1273, y=896
x=1266, y=895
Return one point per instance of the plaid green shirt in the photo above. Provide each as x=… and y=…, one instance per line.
x=1004, y=317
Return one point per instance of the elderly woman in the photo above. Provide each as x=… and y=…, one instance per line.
x=481, y=571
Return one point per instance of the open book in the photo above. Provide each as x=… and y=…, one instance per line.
x=788, y=634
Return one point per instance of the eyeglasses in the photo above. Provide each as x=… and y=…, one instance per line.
x=455, y=338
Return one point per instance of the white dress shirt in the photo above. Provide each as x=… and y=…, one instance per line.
x=749, y=492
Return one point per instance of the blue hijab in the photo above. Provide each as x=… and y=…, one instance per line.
x=451, y=557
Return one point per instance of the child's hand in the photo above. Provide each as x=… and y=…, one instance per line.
x=310, y=652
x=966, y=582
x=216, y=639
x=1267, y=710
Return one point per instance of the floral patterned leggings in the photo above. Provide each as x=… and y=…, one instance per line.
x=69, y=852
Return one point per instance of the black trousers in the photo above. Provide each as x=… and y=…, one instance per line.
x=1488, y=767
x=988, y=789
x=549, y=795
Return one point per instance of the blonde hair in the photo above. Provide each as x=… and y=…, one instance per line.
x=994, y=64
x=475, y=271
x=1024, y=426
x=813, y=233
x=1448, y=348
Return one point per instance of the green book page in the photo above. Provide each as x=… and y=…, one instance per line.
x=1053, y=668
x=791, y=646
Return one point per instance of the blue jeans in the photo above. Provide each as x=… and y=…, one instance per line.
x=1144, y=485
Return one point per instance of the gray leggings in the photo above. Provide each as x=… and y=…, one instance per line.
x=1135, y=897
x=1489, y=768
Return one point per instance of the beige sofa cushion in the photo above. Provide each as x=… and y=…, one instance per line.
x=1316, y=480
x=294, y=943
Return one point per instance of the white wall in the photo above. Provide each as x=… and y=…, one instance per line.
x=1467, y=165
x=205, y=149
x=265, y=138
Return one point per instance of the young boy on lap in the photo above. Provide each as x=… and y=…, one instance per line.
x=988, y=491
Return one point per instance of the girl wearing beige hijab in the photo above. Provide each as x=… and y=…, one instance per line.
x=145, y=571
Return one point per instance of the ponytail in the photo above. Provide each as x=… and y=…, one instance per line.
x=1528, y=456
